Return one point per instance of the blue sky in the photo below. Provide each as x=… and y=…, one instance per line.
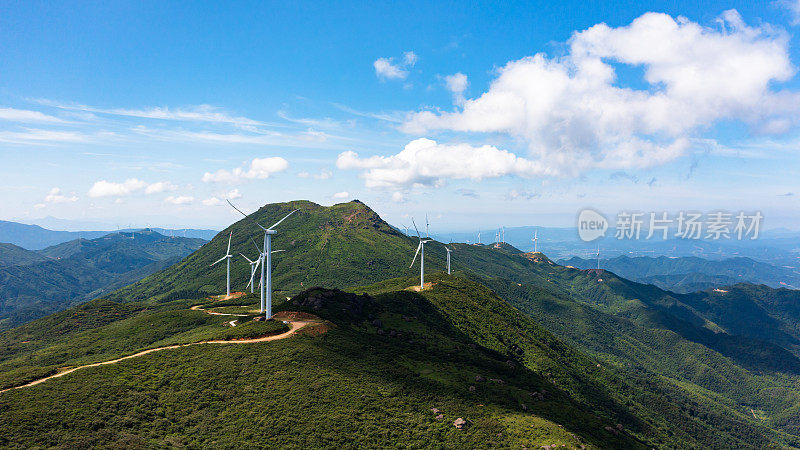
x=136, y=113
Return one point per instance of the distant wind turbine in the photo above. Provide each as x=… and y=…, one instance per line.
x=227, y=256
x=479, y=237
x=406, y=227
x=448, y=256
x=598, y=256
x=427, y=224
x=266, y=265
x=253, y=268
x=421, y=252
x=535, y=241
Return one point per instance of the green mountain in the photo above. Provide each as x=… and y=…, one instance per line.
x=691, y=274
x=673, y=371
x=80, y=270
x=11, y=255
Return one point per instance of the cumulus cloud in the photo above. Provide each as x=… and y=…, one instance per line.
x=160, y=186
x=572, y=114
x=323, y=174
x=398, y=197
x=425, y=162
x=105, y=188
x=341, y=195
x=56, y=196
x=234, y=194
x=212, y=201
x=179, y=200
x=456, y=84
x=387, y=69
x=259, y=168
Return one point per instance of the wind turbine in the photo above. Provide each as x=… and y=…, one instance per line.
x=479, y=237
x=448, y=256
x=406, y=227
x=427, y=235
x=535, y=241
x=266, y=266
x=598, y=256
x=227, y=256
x=504, y=234
x=421, y=253
x=253, y=267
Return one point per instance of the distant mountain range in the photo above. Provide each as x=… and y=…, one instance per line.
x=37, y=283
x=690, y=274
x=34, y=237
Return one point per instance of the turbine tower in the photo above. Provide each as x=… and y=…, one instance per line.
x=479, y=237
x=227, y=256
x=266, y=265
x=421, y=252
x=535, y=241
x=448, y=257
x=598, y=256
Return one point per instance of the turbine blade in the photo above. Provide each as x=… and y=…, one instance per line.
x=229, y=243
x=276, y=251
x=248, y=259
x=245, y=215
x=257, y=247
x=415, y=227
x=284, y=218
x=415, y=255
x=219, y=260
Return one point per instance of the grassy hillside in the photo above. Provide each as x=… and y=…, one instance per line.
x=371, y=381
x=338, y=246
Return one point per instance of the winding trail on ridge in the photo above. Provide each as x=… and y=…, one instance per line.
x=294, y=327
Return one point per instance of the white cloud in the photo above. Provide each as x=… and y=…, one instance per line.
x=105, y=188
x=427, y=163
x=572, y=114
x=160, y=186
x=179, y=200
x=398, y=197
x=39, y=136
x=410, y=58
x=457, y=84
x=341, y=195
x=234, y=194
x=213, y=201
x=259, y=168
x=793, y=6
x=39, y=206
x=199, y=113
x=387, y=69
x=55, y=196
x=24, y=115
x=323, y=174
x=524, y=194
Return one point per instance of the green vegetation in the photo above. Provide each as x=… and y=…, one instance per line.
x=351, y=387
x=11, y=255
x=80, y=270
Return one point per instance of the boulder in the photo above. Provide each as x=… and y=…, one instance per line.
x=461, y=423
x=479, y=379
x=472, y=388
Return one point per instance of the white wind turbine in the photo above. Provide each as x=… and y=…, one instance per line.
x=421, y=253
x=266, y=265
x=427, y=224
x=253, y=267
x=227, y=256
x=535, y=241
x=598, y=256
x=479, y=237
x=448, y=256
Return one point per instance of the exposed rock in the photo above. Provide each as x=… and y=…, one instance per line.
x=440, y=417
x=472, y=388
x=461, y=423
x=435, y=410
x=620, y=427
x=479, y=379
x=612, y=430
x=497, y=380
